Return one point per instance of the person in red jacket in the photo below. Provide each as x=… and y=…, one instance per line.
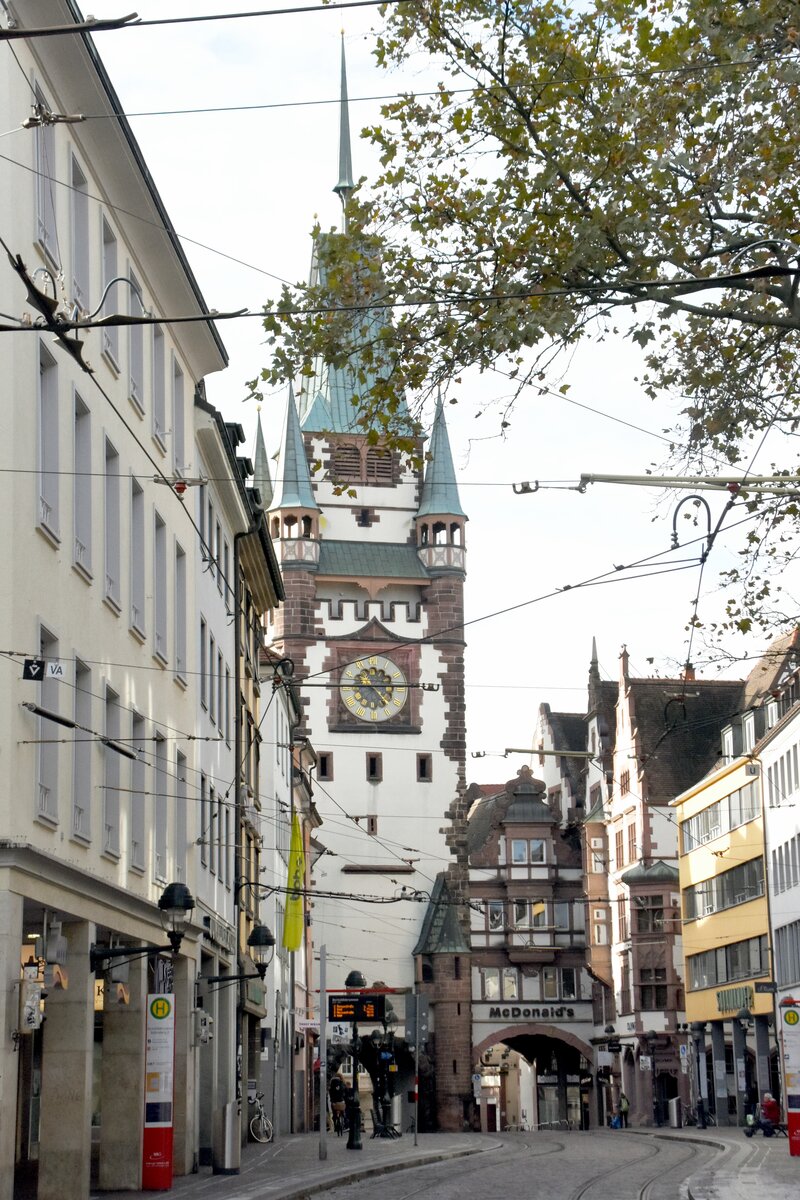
x=768, y=1117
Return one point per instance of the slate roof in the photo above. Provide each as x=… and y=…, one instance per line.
x=769, y=668
x=293, y=486
x=521, y=799
x=678, y=726
x=441, y=931
x=569, y=733
x=656, y=872
x=371, y=559
x=261, y=477
x=439, y=488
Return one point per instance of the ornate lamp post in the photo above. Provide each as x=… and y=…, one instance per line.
x=176, y=904
x=355, y=980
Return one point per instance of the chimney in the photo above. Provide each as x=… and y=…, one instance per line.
x=688, y=673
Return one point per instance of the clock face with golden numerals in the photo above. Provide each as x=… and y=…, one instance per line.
x=373, y=688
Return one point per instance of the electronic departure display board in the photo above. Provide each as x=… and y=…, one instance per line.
x=356, y=1008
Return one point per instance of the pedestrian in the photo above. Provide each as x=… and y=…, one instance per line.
x=767, y=1117
x=336, y=1091
x=624, y=1105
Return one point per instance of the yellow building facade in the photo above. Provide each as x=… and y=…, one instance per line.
x=725, y=926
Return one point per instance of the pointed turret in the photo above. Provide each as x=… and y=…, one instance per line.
x=345, y=187
x=594, y=679
x=294, y=512
x=261, y=477
x=440, y=518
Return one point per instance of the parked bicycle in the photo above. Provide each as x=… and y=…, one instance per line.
x=260, y=1124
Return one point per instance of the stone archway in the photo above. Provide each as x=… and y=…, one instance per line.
x=556, y=1087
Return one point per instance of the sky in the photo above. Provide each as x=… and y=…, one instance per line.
x=244, y=188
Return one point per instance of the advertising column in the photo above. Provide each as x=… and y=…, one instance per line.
x=158, y=1083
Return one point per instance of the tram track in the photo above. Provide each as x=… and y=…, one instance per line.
x=525, y=1149
x=645, y=1189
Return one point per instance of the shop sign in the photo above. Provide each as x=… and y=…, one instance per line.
x=529, y=1012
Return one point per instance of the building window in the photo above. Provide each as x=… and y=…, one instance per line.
x=738, y=960
x=374, y=768
x=138, y=788
x=212, y=821
x=112, y=526
x=160, y=588
x=218, y=556
x=490, y=981
x=160, y=808
x=80, y=236
x=45, y=141
x=625, y=783
x=649, y=913
x=740, y=884
x=538, y=914
x=220, y=831
x=220, y=690
x=569, y=983
x=180, y=817
x=787, y=958
x=520, y=914
x=632, y=842
x=379, y=466
x=325, y=766
x=525, y=850
x=561, y=910
x=347, y=463
x=180, y=613
x=137, y=558
x=208, y=553
x=622, y=916
x=495, y=915
x=204, y=821
x=49, y=696
x=424, y=768
x=82, y=488
x=226, y=561
x=652, y=988
x=178, y=419
x=110, y=333
x=212, y=708
x=159, y=387
x=48, y=443
x=619, y=848
x=549, y=978
x=510, y=983
x=203, y=663
x=734, y=810
x=112, y=773
x=136, y=345
x=82, y=749
x=227, y=705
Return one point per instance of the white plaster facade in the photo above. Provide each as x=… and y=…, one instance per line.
x=103, y=589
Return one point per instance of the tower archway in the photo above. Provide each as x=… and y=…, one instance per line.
x=536, y=1075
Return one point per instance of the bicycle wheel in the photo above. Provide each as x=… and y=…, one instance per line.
x=261, y=1127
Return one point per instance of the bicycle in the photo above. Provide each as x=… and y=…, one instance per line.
x=338, y=1120
x=260, y=1124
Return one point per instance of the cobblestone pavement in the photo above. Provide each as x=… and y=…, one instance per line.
x=716, y=1164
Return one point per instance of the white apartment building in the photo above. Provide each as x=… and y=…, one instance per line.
x=102, y=795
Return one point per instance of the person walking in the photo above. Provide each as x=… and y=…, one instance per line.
x=336, y=1091
x=624, y=1105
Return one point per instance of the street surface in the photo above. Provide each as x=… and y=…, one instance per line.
x=551, y=1166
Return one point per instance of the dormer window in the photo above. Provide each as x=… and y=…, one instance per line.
x=527, y=850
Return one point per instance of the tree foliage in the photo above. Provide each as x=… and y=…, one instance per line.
x=575, y=161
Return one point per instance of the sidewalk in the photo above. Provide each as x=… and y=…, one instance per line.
x=745, y=1167
x=290, y=1168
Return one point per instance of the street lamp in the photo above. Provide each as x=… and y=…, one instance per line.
x=261, y=944
x=697, y=1029
x=383, y=1044
x=355, y=980
x=176, y=903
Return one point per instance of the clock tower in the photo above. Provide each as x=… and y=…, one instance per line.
x=372, y=553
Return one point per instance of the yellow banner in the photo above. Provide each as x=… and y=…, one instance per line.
x=293, y=918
